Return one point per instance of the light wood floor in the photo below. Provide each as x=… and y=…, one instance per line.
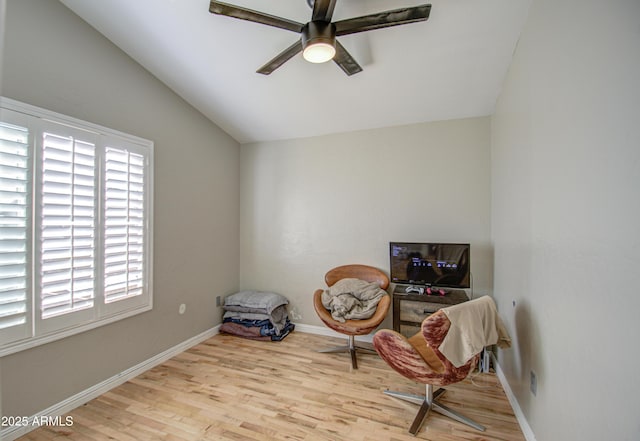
x=228, y=388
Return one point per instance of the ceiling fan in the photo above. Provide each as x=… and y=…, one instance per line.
x=317, y=41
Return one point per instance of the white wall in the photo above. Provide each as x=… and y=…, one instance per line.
x=53, y=59
x=308, y=205
x=566, y=217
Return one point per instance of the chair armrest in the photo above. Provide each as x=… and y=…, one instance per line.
x=322, y=312
x=435, y=328
x=396, y=350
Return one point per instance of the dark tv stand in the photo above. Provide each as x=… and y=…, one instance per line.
x=410, y=309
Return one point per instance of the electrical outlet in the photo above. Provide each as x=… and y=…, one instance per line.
x=533, y=384
x=218, y=301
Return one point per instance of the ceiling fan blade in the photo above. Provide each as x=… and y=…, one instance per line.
x=346, y=62
x=382, y=20
x=281, y=58
x=216, y=7
x=323, y=10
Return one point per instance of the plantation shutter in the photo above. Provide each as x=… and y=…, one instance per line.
x=67, y=226
x=76, y=225
x=124, y=224
x=15, y=224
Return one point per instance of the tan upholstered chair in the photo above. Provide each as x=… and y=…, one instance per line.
x=351, y=328
x=419, y=359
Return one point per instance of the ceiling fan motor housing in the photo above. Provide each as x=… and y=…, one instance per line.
x=318, y=32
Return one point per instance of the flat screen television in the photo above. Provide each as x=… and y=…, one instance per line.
x=430, y=264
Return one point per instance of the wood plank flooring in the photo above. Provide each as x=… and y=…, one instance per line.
x=228, y=388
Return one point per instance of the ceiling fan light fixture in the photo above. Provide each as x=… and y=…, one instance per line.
x=319, y=41
x=319, y=52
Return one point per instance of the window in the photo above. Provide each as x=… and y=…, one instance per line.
x=75, y=226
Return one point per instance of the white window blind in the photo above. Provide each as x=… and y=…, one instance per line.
x=124, y=220
x=14, y=229
x=75, y=226
x=67, y=229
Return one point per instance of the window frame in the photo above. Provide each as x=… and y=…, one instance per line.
x=40, y=331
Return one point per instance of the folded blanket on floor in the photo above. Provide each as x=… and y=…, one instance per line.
x=259, y=332
x=243, y=331
x=278, y=317
x=259, y=302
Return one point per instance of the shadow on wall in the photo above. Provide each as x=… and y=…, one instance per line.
x=527, y=353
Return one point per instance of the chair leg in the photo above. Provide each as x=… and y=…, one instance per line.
x=361, y=348
x=423, y=412
x=428, y=402
x=415, y=399
x=447, y=411
x=336, y=349
x=351, y=348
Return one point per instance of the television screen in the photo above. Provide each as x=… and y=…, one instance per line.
x=430, y=264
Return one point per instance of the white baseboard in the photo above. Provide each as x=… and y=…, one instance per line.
x=522, y=420
x=65, y=406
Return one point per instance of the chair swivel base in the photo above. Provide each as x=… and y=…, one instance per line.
x=352, y=348
x=428, y=402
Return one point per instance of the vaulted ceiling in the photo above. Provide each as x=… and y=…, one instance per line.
x=450, y=66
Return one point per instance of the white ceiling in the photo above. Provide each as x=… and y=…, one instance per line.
x=451, y=66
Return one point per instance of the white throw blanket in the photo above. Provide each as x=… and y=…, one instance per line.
x=352, y=299
x=474, y=325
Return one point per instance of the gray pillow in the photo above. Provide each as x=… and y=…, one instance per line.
x=259, y=302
